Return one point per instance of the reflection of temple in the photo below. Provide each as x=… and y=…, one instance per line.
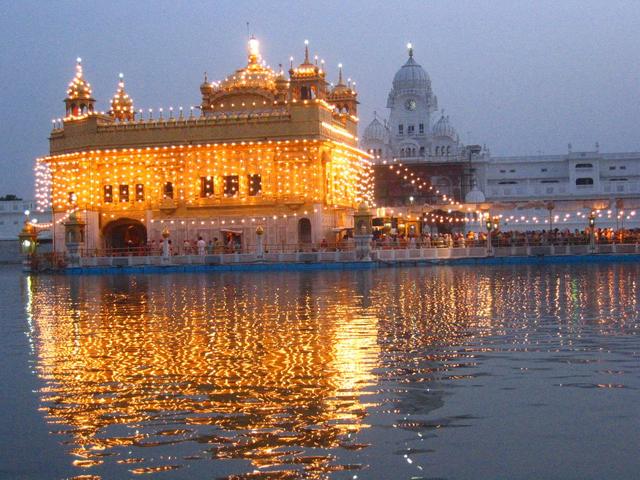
x=267, y=368
x=265, y=149
x=263, y=365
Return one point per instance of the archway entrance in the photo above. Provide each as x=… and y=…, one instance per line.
x=124, y=234
x=304, y=230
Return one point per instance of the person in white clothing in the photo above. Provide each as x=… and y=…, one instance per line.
x=201, y=246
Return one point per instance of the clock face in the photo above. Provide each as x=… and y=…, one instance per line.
x=410, y=104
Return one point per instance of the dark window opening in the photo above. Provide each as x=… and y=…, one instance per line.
x=168, y=190
x=124, y=193
x=255, y=184
x=230, y=185
x=206, y=186
x=584, y=181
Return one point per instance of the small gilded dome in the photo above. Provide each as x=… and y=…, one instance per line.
x=341, y=89
x=254, y=76
x=411, y=75
x=121, y=103
x=79, y=88
x=375, y=131
x=443, y=128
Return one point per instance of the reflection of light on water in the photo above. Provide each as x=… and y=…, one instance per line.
x=251, y=371
x=281, y=371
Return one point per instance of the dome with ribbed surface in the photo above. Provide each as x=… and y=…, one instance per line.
x=411, y=75
x=376, y=131
x=443, y=128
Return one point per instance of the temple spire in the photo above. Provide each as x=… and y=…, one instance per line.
x=410, y=48
x=306, y=51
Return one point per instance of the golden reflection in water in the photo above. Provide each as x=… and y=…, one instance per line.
x=270, y=367
x=279, y=370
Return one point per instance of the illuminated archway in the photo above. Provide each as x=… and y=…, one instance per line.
x=124, y=233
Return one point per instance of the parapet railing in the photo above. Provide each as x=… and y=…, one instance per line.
x=323, y=252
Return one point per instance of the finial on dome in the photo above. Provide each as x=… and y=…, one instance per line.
x=206, y=79
x=78, y=67
x=306, y=51
x=340, y=82
x=291, y=62
x=254, y=50
x=410, y=48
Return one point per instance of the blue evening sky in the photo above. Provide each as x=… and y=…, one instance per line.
x=521, y=77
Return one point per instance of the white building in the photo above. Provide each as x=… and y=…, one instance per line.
x=12, y=216
x=528, y=191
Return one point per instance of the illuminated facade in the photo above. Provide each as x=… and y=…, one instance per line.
x=264, y=150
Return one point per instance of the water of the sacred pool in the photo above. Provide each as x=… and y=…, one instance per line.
x=418, y=373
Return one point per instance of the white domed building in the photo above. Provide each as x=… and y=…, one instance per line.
x=410, y=136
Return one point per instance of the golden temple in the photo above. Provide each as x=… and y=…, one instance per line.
x=264, y=151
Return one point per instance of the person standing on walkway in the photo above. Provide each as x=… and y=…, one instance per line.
x=201, y=244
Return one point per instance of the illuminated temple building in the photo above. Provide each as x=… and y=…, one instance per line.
x=263, y=150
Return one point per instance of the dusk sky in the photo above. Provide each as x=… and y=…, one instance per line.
x=520, y=77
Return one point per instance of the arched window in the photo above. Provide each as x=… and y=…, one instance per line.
x=448, y=149
x=437, y=151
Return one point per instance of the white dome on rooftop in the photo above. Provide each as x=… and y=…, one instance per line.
x=443, y=128
x=376, y=131
x=475, y=195
x=411, y=75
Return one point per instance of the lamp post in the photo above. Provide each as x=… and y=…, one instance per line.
x=592, y=232
x=489, y=226
x=28, y=242
x=260, y=245
x=619, y=213
x=165, y=244
x=550, y=206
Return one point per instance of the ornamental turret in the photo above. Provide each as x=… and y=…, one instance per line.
x=79, y=100
x=122, y=104
x=308, y=79
x=343, y=96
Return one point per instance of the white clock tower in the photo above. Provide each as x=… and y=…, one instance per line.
x=411, y=102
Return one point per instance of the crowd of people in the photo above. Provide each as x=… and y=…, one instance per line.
x=556, y=237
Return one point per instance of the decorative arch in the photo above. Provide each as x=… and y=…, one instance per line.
x=124, y=233
x=304, y=230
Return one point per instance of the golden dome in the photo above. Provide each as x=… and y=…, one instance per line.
x=121, y=103
x=255, y=75
x=79, y=88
